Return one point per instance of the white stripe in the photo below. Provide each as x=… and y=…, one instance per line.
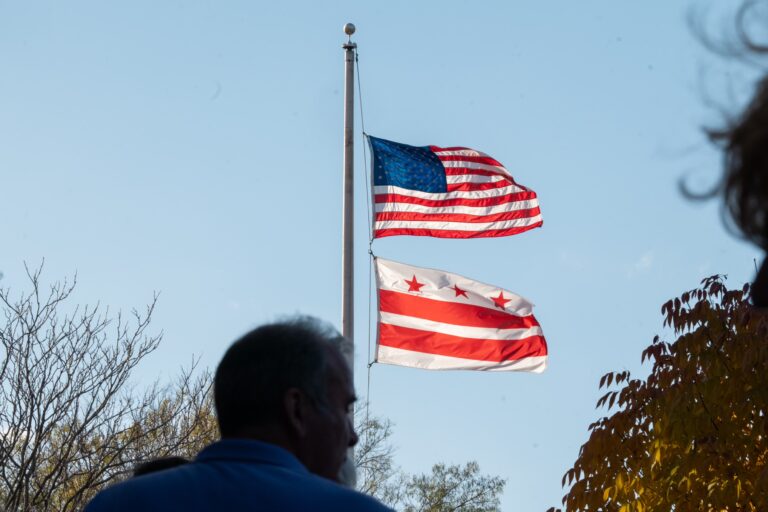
x=400, y=357
x=456, y=226
x=478, y=333
x=475, y=165
x=438, y=285
x=462, y=152
x=474, y=178
x=439, y=196
x=467, y=210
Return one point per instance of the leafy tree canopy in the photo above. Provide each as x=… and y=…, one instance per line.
x=692, y=436
x=447, y=488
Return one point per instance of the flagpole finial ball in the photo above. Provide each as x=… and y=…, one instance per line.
x=349, y=29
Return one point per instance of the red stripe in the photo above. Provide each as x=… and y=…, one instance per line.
x=450, y=233
x=455, y=346
x=461, y=171
x=453, y=313
x=466, y=158
x=469, y=186
x=482, y=202
x=458, y=217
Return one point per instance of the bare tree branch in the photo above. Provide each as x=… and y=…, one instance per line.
x=69, y=421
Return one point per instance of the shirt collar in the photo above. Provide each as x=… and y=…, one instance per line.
x=250, y=450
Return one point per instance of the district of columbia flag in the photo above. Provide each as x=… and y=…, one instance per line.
x=451, y=192
x=436, y=320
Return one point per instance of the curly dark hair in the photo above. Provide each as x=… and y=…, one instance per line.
x=745, y=182
x=744, y=185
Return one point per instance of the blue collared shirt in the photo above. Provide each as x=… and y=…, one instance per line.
x=233, y=475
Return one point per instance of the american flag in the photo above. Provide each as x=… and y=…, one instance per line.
x=441, y=321
x=450, y=192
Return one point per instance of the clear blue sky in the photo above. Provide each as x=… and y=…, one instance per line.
x=194, y=148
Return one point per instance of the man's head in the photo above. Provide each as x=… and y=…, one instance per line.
x=288, y=383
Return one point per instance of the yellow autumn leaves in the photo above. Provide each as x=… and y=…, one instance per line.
x=692, y=435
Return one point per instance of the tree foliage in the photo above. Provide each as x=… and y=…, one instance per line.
x=69, y=421
x=447, y=488
x=374, y=457
x=692, y=436
x=450, y=488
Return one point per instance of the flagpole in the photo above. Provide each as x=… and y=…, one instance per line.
x=348, y=473
x=347, y=244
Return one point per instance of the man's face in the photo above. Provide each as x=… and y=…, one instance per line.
x=330, y=429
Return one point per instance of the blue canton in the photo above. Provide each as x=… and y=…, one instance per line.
x=410, y=167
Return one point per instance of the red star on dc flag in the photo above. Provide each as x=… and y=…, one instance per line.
x=500, y=301
x=414, y=285
x=459, y=291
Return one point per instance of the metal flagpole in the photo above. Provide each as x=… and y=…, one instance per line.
x=348, y=473
x=347, y=256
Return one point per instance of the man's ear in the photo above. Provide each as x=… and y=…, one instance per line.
x=295, y=405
